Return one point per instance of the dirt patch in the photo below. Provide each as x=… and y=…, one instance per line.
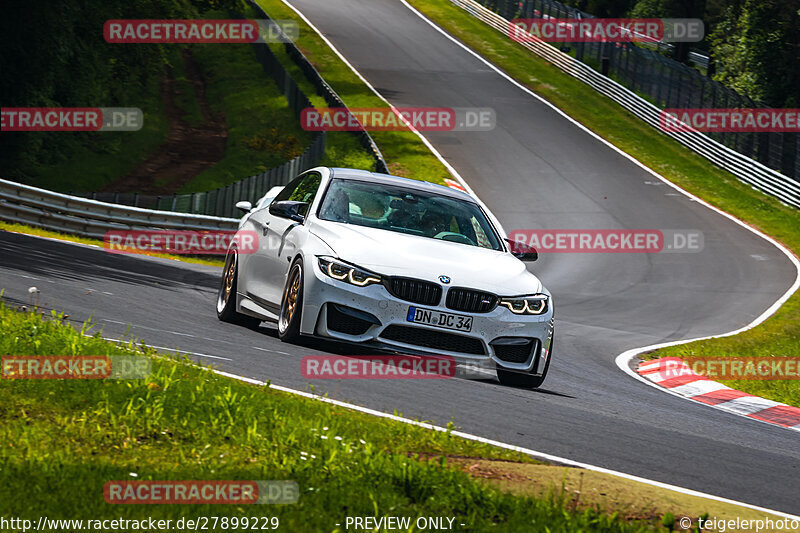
x=189, y=150
x=397, y=169
x=579, y=490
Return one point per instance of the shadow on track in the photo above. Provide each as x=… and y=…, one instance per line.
x=70, y=262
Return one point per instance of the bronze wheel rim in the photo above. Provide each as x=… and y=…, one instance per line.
x=228, y=277
x=290, y=297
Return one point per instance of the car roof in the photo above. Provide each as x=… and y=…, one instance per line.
x=374, y=177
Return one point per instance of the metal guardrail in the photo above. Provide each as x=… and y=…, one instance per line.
x=221, y=202
x=664, y=82
x=552, y=9
x=23, y=204
x=747, y=170
x=32, y=206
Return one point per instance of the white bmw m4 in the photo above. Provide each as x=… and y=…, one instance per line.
x=394, y=264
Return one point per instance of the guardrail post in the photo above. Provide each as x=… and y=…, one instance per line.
x=605, y=60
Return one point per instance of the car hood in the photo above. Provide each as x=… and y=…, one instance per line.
x=396, y=254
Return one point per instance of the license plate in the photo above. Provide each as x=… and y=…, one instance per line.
x=419, y=315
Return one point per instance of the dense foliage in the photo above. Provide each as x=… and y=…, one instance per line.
x=54, y=54
x=757, y=50
x=754, y=44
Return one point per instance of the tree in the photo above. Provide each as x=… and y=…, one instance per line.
x=680, y=9
x=756, y=48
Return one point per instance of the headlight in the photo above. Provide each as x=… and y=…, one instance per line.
x=347, y=273
x=526, y=305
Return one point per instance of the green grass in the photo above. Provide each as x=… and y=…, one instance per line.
x=778, y=336
x=184, y=422
x=186, y=99
x=103, y=157
x=405, y=154
x=342, y=149
x=263, y=132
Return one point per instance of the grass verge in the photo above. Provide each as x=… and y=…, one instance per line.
x=186, y=423
x=778, y=336
x=99, y=158
x=405, y=154
x=262, y=130
x=342, y=148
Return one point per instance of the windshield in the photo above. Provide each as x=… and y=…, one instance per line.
x=410, y=211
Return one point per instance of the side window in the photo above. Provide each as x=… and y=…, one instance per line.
x=288, y=189
x=301, y=189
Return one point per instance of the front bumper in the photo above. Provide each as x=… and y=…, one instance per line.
x=494, y=336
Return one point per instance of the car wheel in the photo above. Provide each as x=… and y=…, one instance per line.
x=292, y=304
x=514, y=378
x=226, y=297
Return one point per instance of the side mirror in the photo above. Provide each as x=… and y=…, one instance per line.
x=522, y=251
x=288, y=209
x=244, y=206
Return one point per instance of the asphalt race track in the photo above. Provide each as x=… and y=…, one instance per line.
x=535, y=170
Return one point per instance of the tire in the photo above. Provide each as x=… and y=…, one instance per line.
x=513, y=378
x=292, y=304
x=226, y=296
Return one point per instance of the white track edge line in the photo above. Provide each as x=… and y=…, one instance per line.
x=468, y=436
x=533, y=453
x=771, y=310
x=175, y=351
x=510, y=447
x=623, y=360
x=634, y=351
